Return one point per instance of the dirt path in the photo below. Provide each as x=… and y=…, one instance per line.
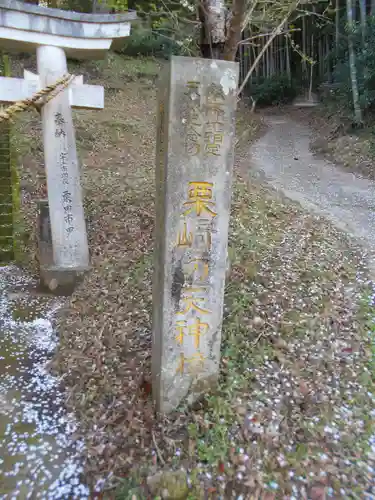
x=282, y=156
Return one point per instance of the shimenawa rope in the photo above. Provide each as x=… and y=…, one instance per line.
x=50, y=91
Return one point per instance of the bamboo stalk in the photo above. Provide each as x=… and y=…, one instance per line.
x=352, y=65
x=257, y=66
x=288, y=69
x=362, y=11
x=304, y=46
x=263, y=57
x=320, y=58
x=337, y=26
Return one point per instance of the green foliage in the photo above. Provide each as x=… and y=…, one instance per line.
x=277, y=89
x=365, y=64
x=5, y=66
x=129, y=489
x=76, y=5
x=144, y=8
x=118, y=5
x=88, y=5
x=148, y=42
x=164, y=28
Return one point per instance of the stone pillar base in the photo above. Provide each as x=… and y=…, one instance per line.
x=53, y=279
x=59, y=282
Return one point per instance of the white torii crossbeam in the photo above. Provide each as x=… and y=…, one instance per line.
x=55, y=33
x=80, y=95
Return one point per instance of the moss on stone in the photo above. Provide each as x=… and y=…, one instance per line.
x=10, y=199
x=18, y=227
x=6, y=208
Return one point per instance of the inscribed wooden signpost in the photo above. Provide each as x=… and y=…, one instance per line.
x=196, y=132
x=54, y=34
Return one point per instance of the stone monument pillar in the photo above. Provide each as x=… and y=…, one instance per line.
x=196, y=135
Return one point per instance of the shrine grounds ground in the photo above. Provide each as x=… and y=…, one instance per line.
x=293, y=413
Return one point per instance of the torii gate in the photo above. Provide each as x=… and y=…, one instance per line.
x=56, y=34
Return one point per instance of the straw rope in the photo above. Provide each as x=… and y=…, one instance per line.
x=38, y=99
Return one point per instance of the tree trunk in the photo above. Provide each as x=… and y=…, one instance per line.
x=212, y=14
x=352, y=65
x=235, y=29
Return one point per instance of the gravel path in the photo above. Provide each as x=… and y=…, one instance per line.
x=283, y=157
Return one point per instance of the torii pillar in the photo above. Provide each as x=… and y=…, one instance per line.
x=56, y=34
